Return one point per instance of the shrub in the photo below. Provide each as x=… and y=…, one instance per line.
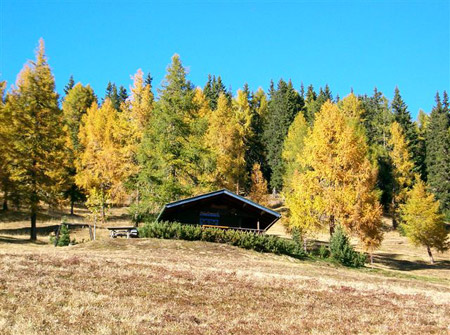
x=342, y=251
x=64, y=236
x=246, y=240
x=324, y=252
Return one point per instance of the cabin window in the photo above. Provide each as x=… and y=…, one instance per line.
x=209, y=218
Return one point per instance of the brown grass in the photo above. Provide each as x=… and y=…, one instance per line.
x=178, y=287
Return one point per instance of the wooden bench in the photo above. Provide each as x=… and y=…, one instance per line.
x=115, y=232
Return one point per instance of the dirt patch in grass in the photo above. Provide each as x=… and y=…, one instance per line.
x=179, y=287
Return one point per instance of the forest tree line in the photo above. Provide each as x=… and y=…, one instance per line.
x=335, y=161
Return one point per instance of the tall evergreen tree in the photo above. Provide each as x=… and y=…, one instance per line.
x=437, y=138
x=403, y=118
x=116, y=96
x=256, y=151
x=377, y=119
x=38, y=145
x=212, y=90
x=169, y=162
x=69, y=85
x=284, y=105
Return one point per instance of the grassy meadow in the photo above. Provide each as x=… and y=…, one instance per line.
x=149, y=286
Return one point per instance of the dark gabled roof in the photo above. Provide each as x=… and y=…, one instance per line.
x=216, y=193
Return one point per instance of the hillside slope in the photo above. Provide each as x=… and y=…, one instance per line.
x=178, y=287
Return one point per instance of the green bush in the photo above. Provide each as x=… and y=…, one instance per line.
x=246, y=240
x=64, y=236
x=324, y=252
x=342, y=251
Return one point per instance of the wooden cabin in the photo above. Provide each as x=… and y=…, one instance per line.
x=221, y=209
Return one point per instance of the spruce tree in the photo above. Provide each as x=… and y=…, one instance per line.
x=437, y=138
x=69, y=85
x=212, y=90
x=377, y=119
x=39, y=138
x=284, y=105
x=403, y=118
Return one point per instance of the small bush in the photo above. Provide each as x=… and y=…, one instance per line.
x=324, y=252
x=64, y=236
x=342, y=251
x=246, y=240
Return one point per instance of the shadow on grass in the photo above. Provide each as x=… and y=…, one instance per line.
x=41, y=231
x=17, y=240
x=392, y=262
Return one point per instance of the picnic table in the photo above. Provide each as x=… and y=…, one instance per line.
x=123, y=231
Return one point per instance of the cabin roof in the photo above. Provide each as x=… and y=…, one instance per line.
x=226, y=192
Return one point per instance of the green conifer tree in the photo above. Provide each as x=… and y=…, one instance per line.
x=437, y=138
x=284, y=105
x=403, y=118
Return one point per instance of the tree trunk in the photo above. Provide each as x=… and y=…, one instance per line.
x=71, y=207
x=371, y=258
x=5, y=203
x=431, y=255
x=332, y=225
x=33, y=231
x=394, y=221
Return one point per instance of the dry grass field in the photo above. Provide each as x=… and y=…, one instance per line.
x=147, y=286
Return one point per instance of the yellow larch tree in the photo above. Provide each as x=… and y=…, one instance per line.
x=335, y=182
x=243, y=128
x=292, y=149
x=37, y=145
x=259, y=187
x=351, y=106
x=402, y=167
x=140, y=103
x=105, y=163
x=422, y=222
x=227, y=145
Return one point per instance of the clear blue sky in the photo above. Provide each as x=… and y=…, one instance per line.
x=347, y=44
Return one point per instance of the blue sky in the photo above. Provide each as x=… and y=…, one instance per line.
x=347, y=44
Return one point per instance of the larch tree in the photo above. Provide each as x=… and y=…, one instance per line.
x=135, y=116
x=437, y=137
x=335, y=182
x=244, y=117
x=37, y=147
x=170, y=165
x=5, y=138
x=293, y=148
x=76, y=103
x=105, y=162
x=227, y=145
x=352, y=107
x=402, y=170
x=258, y=189
x=422, y=221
